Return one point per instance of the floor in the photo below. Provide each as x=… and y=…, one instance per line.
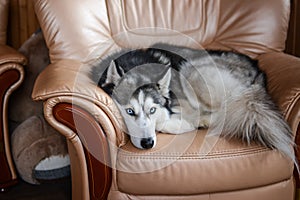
x=59, y=190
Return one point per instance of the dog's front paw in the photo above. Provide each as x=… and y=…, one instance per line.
x=204, y=124
x=175, y=127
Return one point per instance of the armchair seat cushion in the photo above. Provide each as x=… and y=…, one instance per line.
x=194, y=163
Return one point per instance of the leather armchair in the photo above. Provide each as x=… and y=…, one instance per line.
x=11, y=76
x=104, y=164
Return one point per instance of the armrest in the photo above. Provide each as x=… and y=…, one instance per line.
x=11, y=76
x=10, y=55
x=283, y=74
x=67, y=81
x=88, y=118
x=11, y=69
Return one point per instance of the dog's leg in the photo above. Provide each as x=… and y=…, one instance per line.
x=175, y=126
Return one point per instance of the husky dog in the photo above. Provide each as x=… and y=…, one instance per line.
x=176, y=89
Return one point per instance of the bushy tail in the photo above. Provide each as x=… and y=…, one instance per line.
x=253, y=117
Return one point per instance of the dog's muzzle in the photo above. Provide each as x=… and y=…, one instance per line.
x=147, y=143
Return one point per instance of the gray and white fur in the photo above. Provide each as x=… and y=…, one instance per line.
x=176, y=89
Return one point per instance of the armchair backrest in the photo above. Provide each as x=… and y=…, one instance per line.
x=3, y=20
x=75, y=29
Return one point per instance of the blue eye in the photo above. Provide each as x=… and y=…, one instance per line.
x=130, y=111
x=152, y=110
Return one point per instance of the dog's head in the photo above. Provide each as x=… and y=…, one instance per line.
x=142, y=102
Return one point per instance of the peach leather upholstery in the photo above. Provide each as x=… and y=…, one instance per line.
x=180, y=167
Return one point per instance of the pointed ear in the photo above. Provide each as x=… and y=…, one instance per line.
x=164, y=83
x=113, y=76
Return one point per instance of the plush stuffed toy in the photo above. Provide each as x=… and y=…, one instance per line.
x=39, y=152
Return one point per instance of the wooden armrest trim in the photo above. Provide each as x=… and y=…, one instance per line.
x=8, y=176
x=93, y=137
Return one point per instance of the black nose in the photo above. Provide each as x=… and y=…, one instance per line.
x=147, y=143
